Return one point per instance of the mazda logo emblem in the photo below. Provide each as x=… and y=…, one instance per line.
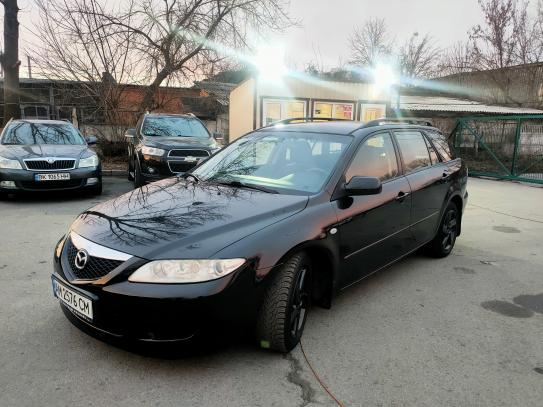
x=81, y=259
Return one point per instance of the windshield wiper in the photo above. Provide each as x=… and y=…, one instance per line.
x=239, y=184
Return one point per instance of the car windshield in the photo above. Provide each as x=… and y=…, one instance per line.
x=173, y=127
x=27, y=133
x=288, y=161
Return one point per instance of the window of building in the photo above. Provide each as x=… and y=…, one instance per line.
x=372, y=112
x=413, y=149
x=333, y=110
x=34, y=112
x=274, y=110
x=376, y=157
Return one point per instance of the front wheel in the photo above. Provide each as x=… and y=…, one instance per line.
x=138, y=178
x=443, y=243
x=282, y=317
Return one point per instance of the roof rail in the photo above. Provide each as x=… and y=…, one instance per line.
x=384, y=120
x=305, y=120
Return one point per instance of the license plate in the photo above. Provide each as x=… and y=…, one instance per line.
x=81, y=305
x=52, y=177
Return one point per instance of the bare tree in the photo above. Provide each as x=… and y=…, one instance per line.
x=182, y=39
x=457, y=59
x=10, y=60
x=419, y=57
x=370, y=43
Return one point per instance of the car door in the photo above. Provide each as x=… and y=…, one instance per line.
x=374, y=229
x=428, y=179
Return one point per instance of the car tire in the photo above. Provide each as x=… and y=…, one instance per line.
x=283, y=313
x=138, y=179
x=443, y=243
x=130, y=171
x=97, y=190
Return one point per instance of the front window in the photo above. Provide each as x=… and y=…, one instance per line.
x=288, y=161
x=174, y=127
x=28, y=133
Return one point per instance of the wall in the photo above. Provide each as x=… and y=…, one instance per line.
x=241, y=109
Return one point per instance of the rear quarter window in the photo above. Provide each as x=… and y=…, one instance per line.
x=441, y=143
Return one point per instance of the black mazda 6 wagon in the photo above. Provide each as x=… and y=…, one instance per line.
x=282, y=218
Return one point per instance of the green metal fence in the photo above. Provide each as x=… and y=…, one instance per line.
x=504, y=147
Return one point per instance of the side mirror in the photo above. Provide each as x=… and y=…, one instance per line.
x=130, y=133
x=91, y=140
x=363, y=186
x=218, y=136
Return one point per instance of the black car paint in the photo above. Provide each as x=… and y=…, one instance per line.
x=350, y=236
x=159, y=164
x=22, y=152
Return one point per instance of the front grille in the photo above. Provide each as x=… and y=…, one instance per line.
x=43, y=165
x=180, y=166
x=189, y=153
x=36, y=186
x=95, y=268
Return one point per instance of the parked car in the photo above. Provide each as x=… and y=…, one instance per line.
x=163, y=145
x=284, y=217
x=47, y=155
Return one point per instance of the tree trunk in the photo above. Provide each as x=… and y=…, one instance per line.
x=148, y=100
x=10, y=61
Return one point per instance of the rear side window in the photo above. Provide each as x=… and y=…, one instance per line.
x=441, y=144
x=413, y=149
x=376, y=157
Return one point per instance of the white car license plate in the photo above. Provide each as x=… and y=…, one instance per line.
x=81, y=305
x=52, y=177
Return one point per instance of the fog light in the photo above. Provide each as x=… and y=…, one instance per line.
x=151, y=170
x=92, y=181
x=8, y=184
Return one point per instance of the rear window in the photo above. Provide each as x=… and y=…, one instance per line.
x=174, y=127
x=441, y=144
x=28, y=133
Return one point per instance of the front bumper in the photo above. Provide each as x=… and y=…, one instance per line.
x=24, y=180
x=163, y=312
x=156, y=168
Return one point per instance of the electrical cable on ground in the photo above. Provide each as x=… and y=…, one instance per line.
x=326, y=389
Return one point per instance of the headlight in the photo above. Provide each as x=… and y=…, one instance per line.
x=152, y=151
x=91, y=161
x=184, y=271
x=11, y=164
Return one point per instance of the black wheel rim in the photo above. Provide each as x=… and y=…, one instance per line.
x=299, y=304
x=450, y=226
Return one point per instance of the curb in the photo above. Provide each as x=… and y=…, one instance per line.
x=113, y=173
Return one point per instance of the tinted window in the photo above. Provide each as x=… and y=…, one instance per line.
x=414, y=151
x=300, y=162
x=441, y=144
x=375, y=158
x=26, y=133
x=173, y=127
x=433, y=155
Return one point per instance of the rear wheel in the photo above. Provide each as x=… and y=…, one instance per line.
x=282, y=317
x=443, y=243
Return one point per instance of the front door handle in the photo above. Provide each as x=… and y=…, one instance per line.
x=401, y=196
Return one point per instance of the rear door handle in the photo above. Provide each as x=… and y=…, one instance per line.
x=401, y=196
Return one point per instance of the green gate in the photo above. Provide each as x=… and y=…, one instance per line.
x=505, y=147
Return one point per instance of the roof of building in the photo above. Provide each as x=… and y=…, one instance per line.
x=447, y=104
x=221, y=90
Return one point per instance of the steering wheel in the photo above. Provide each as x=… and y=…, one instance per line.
x=319, y=170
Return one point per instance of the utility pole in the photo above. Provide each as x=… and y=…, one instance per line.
x=10, y=60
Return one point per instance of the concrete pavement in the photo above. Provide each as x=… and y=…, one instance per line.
x=462, y=331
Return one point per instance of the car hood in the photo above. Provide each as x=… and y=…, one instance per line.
x=179, y=142
x=42, y=150
x=174, y=218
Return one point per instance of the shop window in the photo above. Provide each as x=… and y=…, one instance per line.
x=333, y=110
x=274, y=110
x=372, y=112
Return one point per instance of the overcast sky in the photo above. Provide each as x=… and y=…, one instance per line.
x=325, y=25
